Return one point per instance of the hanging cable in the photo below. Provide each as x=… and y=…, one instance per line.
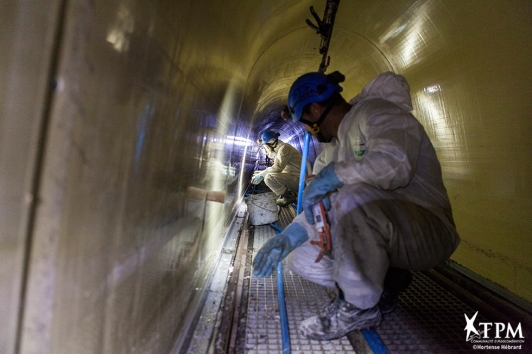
x=324, y=28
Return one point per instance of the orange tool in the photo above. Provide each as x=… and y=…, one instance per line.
x=321, y=223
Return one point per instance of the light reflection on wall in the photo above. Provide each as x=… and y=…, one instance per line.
x=221, y=156
x=290, y=139
x=243, y=167
x=446, y=133
x=232, y=141
x=220, y=171
x=236, y=140
x=121, y=29
x=412, y=34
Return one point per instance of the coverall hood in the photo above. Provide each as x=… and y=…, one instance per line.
x=388, y=86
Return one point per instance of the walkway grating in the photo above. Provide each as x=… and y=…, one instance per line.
x=428, y=318
x=303, y=299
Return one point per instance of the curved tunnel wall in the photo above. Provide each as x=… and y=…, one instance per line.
x=110, y=234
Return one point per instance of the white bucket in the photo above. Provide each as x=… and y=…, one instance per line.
x=262, y=208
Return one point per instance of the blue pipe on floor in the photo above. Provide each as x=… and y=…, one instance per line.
x=371, y=336
x=285, y=332
x=374, y=341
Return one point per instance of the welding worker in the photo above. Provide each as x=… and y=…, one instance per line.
x=283, y=176
x=379, y=176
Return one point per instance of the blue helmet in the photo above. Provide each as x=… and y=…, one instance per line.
x=312, y=87
x=268, y=135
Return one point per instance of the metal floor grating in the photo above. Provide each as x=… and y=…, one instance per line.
x=303, y=299
x=428, y=319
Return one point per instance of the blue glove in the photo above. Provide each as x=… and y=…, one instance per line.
x=319, y=189
x=257, y=178
x=277, y=248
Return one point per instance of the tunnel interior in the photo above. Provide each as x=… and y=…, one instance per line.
x=128, y=135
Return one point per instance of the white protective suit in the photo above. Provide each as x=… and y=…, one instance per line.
x=284, y=173
x=393, y=209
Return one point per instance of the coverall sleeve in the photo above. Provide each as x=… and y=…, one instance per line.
x=393, y=139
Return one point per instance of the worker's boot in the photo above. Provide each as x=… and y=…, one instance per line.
x=286, y=198
x=396, y=281
x=339, y=318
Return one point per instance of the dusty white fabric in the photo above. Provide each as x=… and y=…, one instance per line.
x=393, y=208
x=284, y=173
x=286, y=159
x=279, y=182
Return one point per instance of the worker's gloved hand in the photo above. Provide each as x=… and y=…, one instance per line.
x=277, y=248
x=319, y=189
x=257, y=178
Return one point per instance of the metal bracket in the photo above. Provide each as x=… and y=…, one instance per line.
x=324, y=29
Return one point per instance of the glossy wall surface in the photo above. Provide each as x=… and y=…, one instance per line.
x=119, y=120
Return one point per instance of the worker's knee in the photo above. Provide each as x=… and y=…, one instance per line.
x=272, y=176
x=269, y=180
x=301, y=261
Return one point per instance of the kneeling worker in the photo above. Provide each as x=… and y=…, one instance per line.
x=380, y=178
x=283, y=176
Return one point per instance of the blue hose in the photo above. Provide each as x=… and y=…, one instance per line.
x=285, y=333
x=258, y=191
x=276, y=228
x=374, y=341
x=303, y=173
x=252, y=192
x=371, y=336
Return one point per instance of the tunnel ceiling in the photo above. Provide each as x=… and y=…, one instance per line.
x=432, y=43
x=267, y=45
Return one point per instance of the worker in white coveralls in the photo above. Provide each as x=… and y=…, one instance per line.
x=283, y=176
x=379, y=176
